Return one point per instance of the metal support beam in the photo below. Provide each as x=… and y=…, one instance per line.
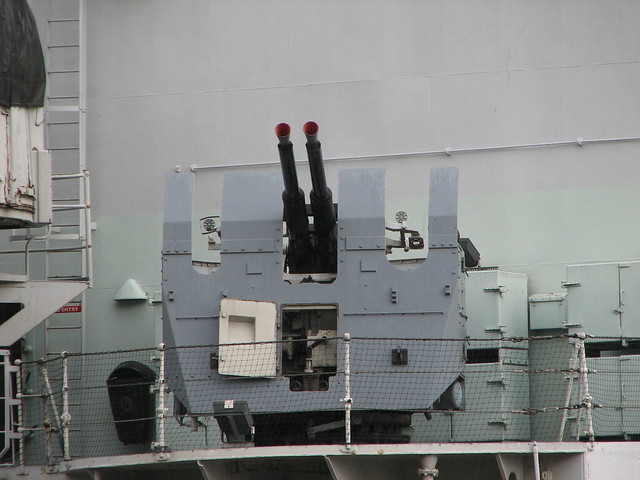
x=510, y=466
x=213, y=470
x=41, y=299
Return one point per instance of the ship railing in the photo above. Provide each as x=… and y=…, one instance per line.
x=546, y=388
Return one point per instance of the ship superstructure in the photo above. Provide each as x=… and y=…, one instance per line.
x=234, y=331
x=332, y=281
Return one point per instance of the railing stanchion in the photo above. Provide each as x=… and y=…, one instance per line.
x=347, y=400
x=66, y=416
x=161, y=412
x=586, y=399
x=20, y=414
x=573, y=365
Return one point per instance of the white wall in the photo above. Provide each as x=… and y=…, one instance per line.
x=205, y=81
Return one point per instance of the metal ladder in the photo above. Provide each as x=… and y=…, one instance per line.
x=67, y=246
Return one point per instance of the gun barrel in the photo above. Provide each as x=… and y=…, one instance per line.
x=324, y=215
x=283, y=130
x=316, y=166
x=295, y=210
x=288, y=163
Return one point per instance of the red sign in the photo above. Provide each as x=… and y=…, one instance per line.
x=70, y=309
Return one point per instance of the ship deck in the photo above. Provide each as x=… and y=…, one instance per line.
x=508, y=460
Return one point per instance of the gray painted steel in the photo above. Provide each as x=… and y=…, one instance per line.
x=204, y=81
x=428, y=305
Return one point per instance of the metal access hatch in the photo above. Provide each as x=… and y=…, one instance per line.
x=496, y=304
x=604, y=298
x=244, y=327
x=630, y=298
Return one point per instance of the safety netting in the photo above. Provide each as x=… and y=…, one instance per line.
x=345, y=390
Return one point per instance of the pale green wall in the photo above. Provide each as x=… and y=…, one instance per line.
x=124, y=247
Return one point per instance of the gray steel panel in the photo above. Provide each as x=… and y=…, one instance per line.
x=547, y=311
x=593, y=303
x=630, y=298
x=363, y=295
x=497, y=304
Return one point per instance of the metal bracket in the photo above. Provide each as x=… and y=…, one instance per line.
x=325, y=427
x=571, y=325
x=497, y=289
x=498, y=329
x=496, y=381
x=502, y=421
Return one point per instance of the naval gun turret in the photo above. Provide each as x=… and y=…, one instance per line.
x=260, y=343
x=309, y=251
